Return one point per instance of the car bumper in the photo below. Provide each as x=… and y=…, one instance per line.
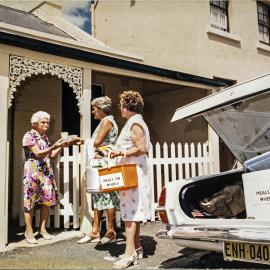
x=212, y=238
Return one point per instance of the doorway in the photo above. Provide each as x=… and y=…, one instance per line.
x=97, y=91
x=38, y=93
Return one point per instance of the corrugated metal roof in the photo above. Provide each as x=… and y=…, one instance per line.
x=27, y=20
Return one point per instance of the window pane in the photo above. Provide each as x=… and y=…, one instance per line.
x=266, y=20
x=218, y=15
x=263, y=21
x=223, y=4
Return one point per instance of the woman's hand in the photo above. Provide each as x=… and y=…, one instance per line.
x=58, y=144
x=73, y=141
x=97, y=156
x=76, y=140
x=114, y=154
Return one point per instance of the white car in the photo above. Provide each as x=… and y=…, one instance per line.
x=228, y=212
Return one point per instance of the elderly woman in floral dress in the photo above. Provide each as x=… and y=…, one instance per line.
x=135, y=204
x=38, y=180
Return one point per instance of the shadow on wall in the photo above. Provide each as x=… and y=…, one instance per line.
x=148, y=114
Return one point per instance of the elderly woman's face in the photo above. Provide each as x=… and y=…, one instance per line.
x=97, y=113
x=42, y=126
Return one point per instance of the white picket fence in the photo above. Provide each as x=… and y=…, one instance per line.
x=181, y=161
x=167, y=163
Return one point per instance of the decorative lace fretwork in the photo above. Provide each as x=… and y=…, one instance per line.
x=20, y=68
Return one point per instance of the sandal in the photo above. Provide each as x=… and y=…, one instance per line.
x=46, y=235
x=89, y=239
x=30, y=240
x=125, y=262
x=108, y=238
x=139, y=253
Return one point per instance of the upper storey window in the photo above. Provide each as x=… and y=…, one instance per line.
x=219, y=14
x=264, y=22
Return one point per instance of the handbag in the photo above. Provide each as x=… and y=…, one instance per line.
x=92, y=182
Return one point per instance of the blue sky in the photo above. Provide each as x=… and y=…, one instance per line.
x=78, y=12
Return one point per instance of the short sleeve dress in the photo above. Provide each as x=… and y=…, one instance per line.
x=106, y=200
x=38, y=178
x=135, y=203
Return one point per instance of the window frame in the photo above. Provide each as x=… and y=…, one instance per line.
x=226, y=10
x=262, y=23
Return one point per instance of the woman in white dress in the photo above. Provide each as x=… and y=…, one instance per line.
x=135, y=204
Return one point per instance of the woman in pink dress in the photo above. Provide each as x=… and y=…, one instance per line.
x=38, y=179
x=135, y=204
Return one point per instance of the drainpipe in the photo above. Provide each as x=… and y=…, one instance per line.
x=92, y=11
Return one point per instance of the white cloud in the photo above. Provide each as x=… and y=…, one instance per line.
x=77, y=12
x=72, y=5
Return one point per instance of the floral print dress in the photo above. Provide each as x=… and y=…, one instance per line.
x=135, y=203
x=38, y=178
x=106, y=200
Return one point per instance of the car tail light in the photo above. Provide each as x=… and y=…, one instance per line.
x=161, y=206
x=163, y=217
x=162, y=197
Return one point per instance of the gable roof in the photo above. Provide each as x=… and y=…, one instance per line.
x=27, y=20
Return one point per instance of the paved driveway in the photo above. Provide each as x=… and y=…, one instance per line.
x=67, y=254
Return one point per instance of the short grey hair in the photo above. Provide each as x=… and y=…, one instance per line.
x=37, y=116
x=103, y=103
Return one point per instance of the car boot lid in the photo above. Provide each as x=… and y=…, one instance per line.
x=239, y=114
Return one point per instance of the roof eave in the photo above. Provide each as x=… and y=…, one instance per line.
x=82, y=55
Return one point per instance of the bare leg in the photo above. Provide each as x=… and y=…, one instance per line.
x=137, y=237
x=43, y=218
x=96, y=222
x=111, y=220
x=130, y=237
x=28, y=217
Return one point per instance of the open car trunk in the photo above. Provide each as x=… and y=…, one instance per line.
x=219, y=196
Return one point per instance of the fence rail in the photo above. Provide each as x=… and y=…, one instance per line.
x=167, y=163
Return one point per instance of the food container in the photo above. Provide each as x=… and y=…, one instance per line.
x=120, y=177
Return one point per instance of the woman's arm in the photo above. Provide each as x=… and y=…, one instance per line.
x=104, y=130
x=139, y=143
x=138, y=140
x=52, y=150
x=55, y=152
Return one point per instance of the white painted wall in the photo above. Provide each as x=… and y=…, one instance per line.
x=173, y=35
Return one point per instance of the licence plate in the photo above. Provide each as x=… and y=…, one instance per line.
x=248, y=252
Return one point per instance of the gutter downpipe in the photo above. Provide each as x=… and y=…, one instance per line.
x=93, y=20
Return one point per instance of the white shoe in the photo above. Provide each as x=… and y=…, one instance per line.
x=46, y=236
x=108, y=238
x=30, y=240
x=88, y=239
x=139, y=253
x=125, y=262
